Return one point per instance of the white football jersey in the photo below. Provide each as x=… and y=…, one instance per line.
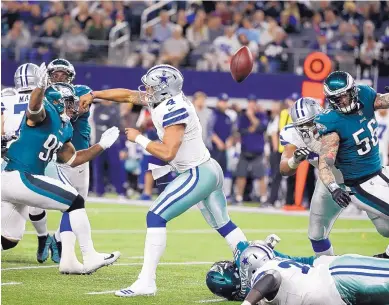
x=289, y=135
x=179, y=110
x=383, y=136
x=14, y=107
x=301, y=284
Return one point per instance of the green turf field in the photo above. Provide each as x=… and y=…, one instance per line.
x=192, y=246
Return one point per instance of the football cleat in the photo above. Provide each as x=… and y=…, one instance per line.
x=99, y=260
x=382, y=255
x=73, y=267
x=56, y=250
x=44, y=243
x=137, y=289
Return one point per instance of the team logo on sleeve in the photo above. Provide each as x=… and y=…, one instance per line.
x=321, y=127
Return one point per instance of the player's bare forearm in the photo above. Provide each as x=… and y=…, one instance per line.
x=162, y=151
x=327, y=157
x=36, y=112
x=68, y=154
x=381, y=101
x=119, y=95
x=266, y=287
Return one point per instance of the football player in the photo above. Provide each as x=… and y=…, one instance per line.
x=350, y=142
x=200, y=179
x=46, y=131
x=382, y=116
x=301, y=141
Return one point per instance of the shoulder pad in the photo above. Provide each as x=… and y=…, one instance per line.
x=8, y=92
x=327, y=121
x=289, y=135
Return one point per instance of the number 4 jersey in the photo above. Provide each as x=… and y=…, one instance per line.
x=358, y=154
x=36, y=145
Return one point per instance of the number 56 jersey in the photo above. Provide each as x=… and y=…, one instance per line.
x=358, y=154
x=35, y=147
x=301, y=284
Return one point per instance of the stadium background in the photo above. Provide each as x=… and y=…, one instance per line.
x=110, y=46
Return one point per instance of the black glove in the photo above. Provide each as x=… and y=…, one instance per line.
x=340, y=196
x=301, y=154
x=387, y=88
x=4, y=140
x=240, y=296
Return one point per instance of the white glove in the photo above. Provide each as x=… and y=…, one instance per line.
x=43, y=76
x=109, y=137
x=272, y=240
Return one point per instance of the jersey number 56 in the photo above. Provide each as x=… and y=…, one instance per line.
x=364, y=144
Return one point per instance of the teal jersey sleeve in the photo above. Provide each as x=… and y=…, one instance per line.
x=81, y=90
x=241, y=246
x=300, y=259
x=326, y=122
x=367, y=96
x=82, y=129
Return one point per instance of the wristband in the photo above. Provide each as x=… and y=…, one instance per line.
x=246, y=303
x=142, y=141
x=93, y=96
x=333, y=186
x=71, y=160
x=35, y=111
x=292, y=163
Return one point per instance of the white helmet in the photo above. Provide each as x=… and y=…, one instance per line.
x=26, y=77
x=161, y=82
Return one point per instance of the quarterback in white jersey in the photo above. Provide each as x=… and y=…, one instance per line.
x=382, y=118
x=199, y=180
x=301, y=143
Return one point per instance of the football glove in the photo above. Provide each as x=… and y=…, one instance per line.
x=109, y=137
x=340, y=196
x=4, y=140
x=272, y=240
x=43, y=77
x=301, y=154
x=387, y=88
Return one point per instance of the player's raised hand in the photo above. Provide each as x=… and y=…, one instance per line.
x=109, y=137
x=43, y=76
x=301, y=154
x=132, y=133
x=85, y=101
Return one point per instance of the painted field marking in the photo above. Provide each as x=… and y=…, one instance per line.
x=212, y=301
x=11, y=283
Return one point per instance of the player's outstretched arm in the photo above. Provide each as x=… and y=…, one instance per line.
x=266, y=287
x=70, y=156
x=166, y=150
x=381, y=101
x=291, y=159
x=36, y=112
x=117, y=95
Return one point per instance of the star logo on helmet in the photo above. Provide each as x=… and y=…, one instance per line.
x=245, y=261
x=164, y=79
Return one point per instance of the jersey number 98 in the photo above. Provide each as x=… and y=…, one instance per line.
x=364, y=144
x=51, y=146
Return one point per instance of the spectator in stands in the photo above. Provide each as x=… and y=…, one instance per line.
x=57, y=12
x=204, y=114
x=197, y=33
x=44, y=47
x=174, y=49
x=237, y=18
x=105, y=115
x=146, y=52
x=348, y=36
x=83, y=16
x=268, y=34
x=368, y=55
x=276, y=53
x=221, y=130
x=95, y=28
x=248, y=30
x=74, y=44
x=351, y=15
x=330, y=25
x=273, y=9
x=35, y=19
x=18, y=37
x=368, y=31
x=67, y=23
x=182, y=21
x=251, y=126
x=260, y=24
x=215, y=26
x=222, y=10
x=289, y=23
x=375, y=13
x=164, y=29
x=321, y=44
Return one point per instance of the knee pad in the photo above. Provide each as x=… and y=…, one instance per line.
x=78, y=203
x=155, y=221
x=7, y=244
x=37, y=217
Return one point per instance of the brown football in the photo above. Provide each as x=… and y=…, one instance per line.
x=241, y=64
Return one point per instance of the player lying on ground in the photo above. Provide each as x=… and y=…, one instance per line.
x=46, y=131
x=275, y=278
x=301, y=141
x=200, y=179
x=349, y=141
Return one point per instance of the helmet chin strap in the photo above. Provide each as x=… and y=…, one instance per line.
x=64, y=117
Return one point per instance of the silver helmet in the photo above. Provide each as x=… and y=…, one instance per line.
x=60, y=64
x=255, y=257
x=26, y=77
x=160, y=83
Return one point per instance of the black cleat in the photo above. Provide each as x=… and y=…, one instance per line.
x=43, y=248
x=382, y=255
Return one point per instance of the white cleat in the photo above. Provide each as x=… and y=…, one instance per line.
x=95, y=262
x=138, y=288
x=71, y=267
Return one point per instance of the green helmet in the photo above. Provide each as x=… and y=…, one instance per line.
x=341, y=91
x=60, y=64
x=223, y=279
x=63, y=96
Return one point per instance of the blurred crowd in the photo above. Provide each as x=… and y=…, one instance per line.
x=201, y=34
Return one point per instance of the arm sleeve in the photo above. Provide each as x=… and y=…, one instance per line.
x=300, y=259
x=367, y=96
x=266, y=286
x=177, y=116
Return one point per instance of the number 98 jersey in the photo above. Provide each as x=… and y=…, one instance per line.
x=358, y=154
x=36, y=145
x=301, y=284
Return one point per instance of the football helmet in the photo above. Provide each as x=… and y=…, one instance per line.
x=60, y=64
x=62, y=96
x=223, y=279
x=341, y=91
x=26, y=77
x=255, y=257
x=160, y=83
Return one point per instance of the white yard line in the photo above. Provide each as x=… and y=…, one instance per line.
x=120, y=264
x=101, y=292
x=133, y=257
x=11, y=283
x=207, y=231
x=211, y=301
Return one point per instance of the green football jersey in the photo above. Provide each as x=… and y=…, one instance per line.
x=358, y=154
x=35, y=147
x=81, y=127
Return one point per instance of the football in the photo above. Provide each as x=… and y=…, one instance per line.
x=241, y=64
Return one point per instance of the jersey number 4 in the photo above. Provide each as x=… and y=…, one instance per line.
x=364, y=144
x=51, y=146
